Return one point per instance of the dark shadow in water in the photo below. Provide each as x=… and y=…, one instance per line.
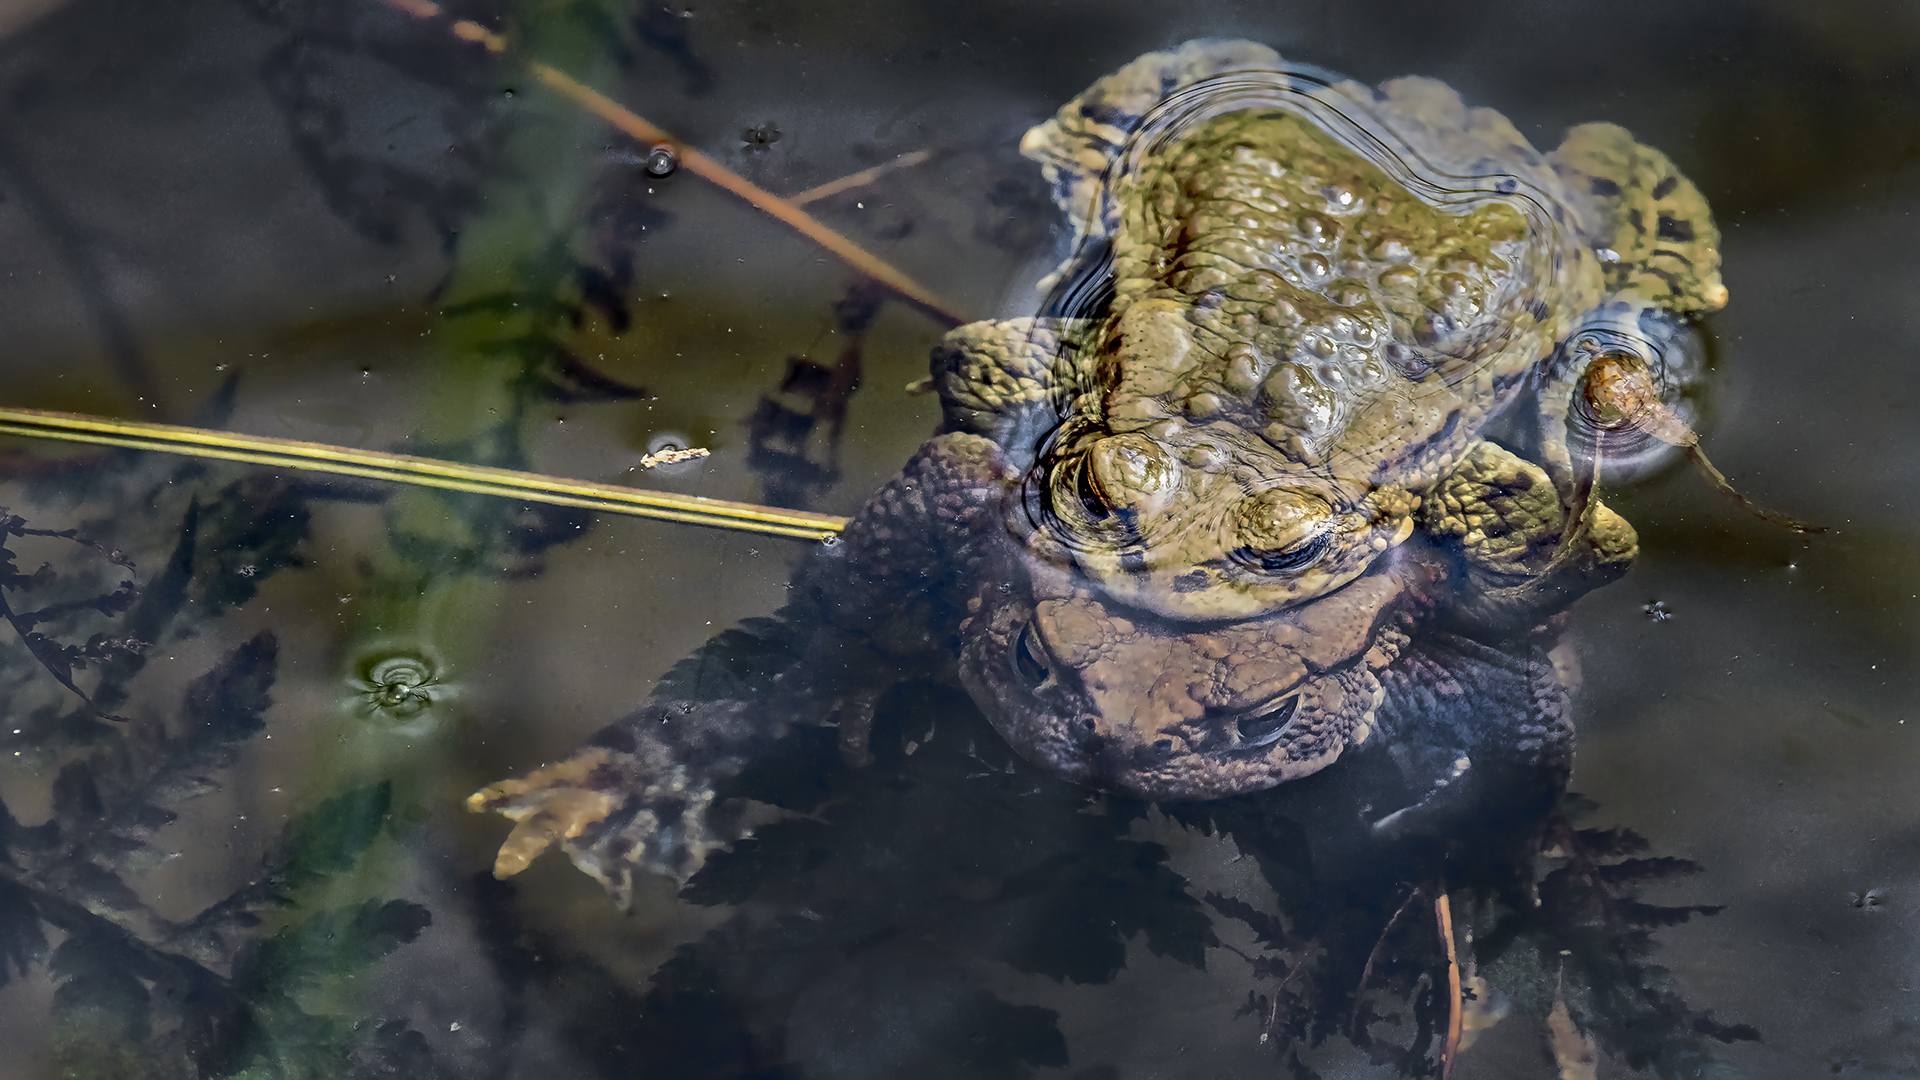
x=77, y=247
x=871, y=919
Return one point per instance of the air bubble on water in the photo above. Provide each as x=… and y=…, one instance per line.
x=399, y=686
x=662, y=160
x=1657, y=611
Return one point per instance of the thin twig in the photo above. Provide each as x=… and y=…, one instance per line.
x=707, y=168
x=644, y=131
x=1443, y=914
x=1366, y=972
x=860, y=179
x=425, y=472
x=1725, y=487
x=1273, y=1012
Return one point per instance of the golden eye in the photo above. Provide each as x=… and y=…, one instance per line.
x=1291, y=559
x=1074, y=479
x=1283, y=531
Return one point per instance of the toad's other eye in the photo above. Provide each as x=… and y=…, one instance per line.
x=1086, y=488
x=1283, y=531
x=1264, y=725
x=1029, y=659
x=1071, y=486
x=1288, y=560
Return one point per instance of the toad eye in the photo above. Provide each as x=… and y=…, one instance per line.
x=1086, y=489
x=1284, y=530
x=1266, y=724
x=1291, y=559
x=1029, y=659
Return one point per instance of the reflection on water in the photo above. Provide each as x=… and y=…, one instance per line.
x=242, y=851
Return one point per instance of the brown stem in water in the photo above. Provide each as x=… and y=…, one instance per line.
x=786, y=213
x=1443, y=913
x=1620, y=392
x=859, y=179
x=1721, y=484
x=1373, y=956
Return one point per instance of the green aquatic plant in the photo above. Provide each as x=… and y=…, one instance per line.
x=228, y=989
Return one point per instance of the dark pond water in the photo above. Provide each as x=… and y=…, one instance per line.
x=246, y=851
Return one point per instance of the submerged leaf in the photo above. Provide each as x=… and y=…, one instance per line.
x=76, y=798
x=335, y=943
x=331, y=836
x=99, y=890
x=22, y=941
x=391, y=1051
x=225, y=704
x=100, y=987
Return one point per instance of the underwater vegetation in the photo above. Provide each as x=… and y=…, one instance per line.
x=220, y=992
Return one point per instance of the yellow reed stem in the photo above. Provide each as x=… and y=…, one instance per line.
x=419, y=471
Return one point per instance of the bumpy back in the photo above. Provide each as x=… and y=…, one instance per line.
x=1074, y=147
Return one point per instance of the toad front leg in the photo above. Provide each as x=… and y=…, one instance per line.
x=1520, y=557
x=874, y=607
x=1478, y=704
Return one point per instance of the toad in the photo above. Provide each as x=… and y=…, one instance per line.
x=1297, y=303
x=928, y=581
